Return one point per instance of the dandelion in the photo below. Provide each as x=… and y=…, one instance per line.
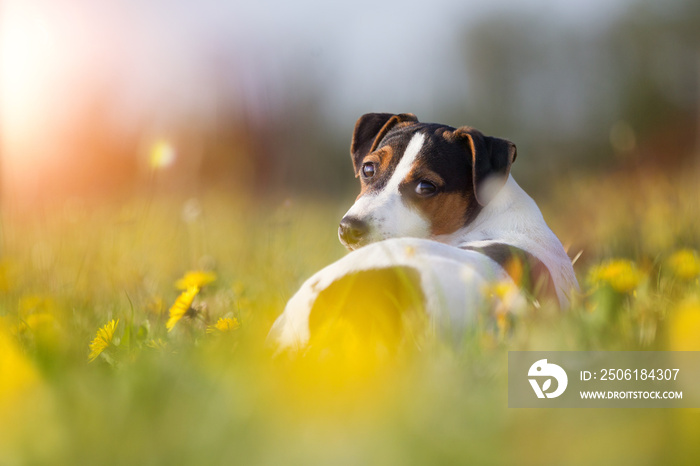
x=224, y=324
x=18, y=374
x=505, y=291
x=103, y=339
x=195, y=278
x=622, y=275
x=684, y=264
x=181, y=307
x=501, y=289
x=685, y=326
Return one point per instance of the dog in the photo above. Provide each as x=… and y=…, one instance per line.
x=439, y=219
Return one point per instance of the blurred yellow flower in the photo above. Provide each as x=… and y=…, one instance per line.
x=502, y=289
x=36, y=322
x=16, y=371
x=224, y=324
x=103, y=339
x=181, y=306
x=684, y=264
x=621, y=274
x=195, y=278
x=684, y=326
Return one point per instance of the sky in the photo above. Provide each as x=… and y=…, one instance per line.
x=162, y=61
x=160, y=54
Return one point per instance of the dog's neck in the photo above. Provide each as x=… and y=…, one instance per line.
x=513, y=218
x=510, y=213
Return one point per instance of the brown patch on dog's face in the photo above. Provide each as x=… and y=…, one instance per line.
x=444, y=165
x=451, y=206
x=383, y=163
x=447, y=212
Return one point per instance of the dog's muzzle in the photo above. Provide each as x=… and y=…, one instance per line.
x=352, y=231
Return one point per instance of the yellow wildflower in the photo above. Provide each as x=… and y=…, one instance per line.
x=195, y=278
x=684, y=264
x=502, y=289
x=18, y=374
x=103, y=339
x=181, y=306
x=684, y=326
x=621, y=274
x=224, y=324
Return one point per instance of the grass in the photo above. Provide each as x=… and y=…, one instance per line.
x=201, y=394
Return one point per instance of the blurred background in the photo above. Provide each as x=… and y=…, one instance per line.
x=260, y=98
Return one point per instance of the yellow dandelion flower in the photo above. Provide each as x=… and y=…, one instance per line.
x=224, y=324
x=103, y=339
x=18, y=374
x=685, y=264
x=195, y=278
x=504, y=290
x=621, y=274
x=181, y=306
x=684, y=326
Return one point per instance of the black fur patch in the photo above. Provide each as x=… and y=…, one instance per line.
x=526, y=270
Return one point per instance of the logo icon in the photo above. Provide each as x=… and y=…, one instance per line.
x=542, y=368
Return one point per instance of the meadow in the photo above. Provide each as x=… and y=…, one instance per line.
x=133, y=331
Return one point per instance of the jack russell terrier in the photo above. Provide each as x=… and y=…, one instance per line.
x=439, y=219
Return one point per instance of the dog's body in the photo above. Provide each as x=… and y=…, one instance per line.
x=437, y=204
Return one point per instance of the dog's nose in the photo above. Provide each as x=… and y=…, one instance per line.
x=351, y=230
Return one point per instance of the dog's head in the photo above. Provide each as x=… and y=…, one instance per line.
x=420, y=179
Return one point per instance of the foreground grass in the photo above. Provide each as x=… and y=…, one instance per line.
x=213, y=394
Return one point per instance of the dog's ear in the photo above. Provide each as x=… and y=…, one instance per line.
x=370, y=129
x=491, y=159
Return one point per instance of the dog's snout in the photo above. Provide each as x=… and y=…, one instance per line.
x=351, y=230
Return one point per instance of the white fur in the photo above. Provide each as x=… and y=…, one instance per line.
x=452, y=279
x=513, y=218
x=385, y=212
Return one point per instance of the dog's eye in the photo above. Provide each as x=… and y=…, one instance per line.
x=368, y=170
x=425, y=188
